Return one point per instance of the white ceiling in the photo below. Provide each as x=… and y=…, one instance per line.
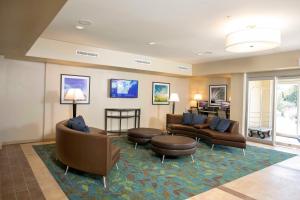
x=180, y=28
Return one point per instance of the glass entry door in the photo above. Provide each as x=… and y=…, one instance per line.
x=288, y=112
x=260, y=110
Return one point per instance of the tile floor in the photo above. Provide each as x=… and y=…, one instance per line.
x=49, y=186
x=277, y=182
x=292, y=142
x=280, y=181
x=17, y=180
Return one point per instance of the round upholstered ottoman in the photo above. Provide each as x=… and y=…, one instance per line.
x=167, y=145
x=142, y=135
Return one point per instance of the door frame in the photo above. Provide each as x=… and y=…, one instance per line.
x=273, y=113
x=298, y=100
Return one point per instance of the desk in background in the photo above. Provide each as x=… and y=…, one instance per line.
x=212, y=112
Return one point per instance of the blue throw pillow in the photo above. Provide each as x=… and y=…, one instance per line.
x=214, y=123
x=187, y=119
x=223, y=125
x=78, y=124
x=198, y=119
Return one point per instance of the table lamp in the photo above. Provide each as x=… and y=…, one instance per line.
x=74, y=94
x=174, y=98
x=197, y=98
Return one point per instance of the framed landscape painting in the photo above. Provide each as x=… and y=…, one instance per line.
x=160, y=93
x=74, y=82
x=217, y=94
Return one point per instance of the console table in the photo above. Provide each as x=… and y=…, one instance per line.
x=214, y=112
x=119, y=114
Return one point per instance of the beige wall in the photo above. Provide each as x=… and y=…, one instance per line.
x=22, y=97
x=200, y=85
x=238, y=95
x=65, y=51
x=152, y=115
x=273, y=62
x=236, y=91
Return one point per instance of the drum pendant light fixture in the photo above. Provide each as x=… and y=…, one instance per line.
x=252, y=39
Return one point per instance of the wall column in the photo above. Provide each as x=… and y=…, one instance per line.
x=238, y=97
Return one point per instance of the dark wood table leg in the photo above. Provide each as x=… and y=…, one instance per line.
x=120, y=123
x=105, y=123
x=135, y=118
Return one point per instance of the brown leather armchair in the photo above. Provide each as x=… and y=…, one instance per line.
x=91, y=152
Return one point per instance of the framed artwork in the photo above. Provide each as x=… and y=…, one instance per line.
x=217, y=94
x=74, y=82
x=160, y=93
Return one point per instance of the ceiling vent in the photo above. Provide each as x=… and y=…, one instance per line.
x=143, y=61
x=184, y=68
x=87, y=53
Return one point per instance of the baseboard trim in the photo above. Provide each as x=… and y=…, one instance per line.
x=26, y=141
x=287, y=145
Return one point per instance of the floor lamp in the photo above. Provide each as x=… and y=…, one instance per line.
x=174, y=98
x=74, y=94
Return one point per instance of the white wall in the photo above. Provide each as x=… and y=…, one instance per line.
x=22, y=97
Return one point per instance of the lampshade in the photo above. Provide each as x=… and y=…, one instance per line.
x=253, y=39
x=74, y=94
x=197, y=97
x=174, y=97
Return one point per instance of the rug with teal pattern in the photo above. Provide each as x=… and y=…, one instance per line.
x=142, y=176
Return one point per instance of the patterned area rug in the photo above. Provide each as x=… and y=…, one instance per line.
x=142, y=176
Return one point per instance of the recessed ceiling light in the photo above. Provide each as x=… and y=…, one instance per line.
x=85, y=22
x=79, y=27
x=204, y=53
x=152, y=43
